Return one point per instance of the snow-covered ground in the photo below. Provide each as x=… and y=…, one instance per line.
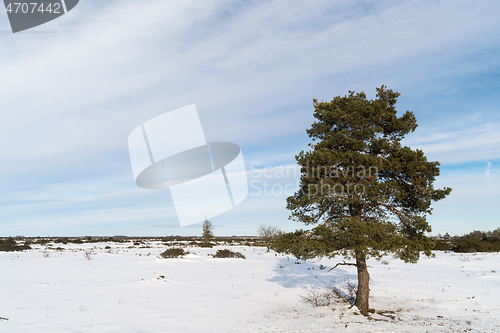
x=123, y=289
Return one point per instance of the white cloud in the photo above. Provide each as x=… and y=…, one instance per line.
x=488, y=170
x=457, y=142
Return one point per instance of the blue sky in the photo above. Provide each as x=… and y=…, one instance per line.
x=73, y=89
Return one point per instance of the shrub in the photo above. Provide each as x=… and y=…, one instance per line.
x=61, y=240
x=88, y=254
x=228, y=254
x=318, y=298
x=475, y=241
x=195, y=243
x=442, y=245
x=10, y=244
x=331, y=295
x=173, y=252
x=41, y=241
x=472, y=245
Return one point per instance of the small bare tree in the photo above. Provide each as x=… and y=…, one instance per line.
x=269, y=234
x=208, y=231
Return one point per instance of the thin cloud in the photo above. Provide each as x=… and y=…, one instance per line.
x=451, y=144
x=488, y=170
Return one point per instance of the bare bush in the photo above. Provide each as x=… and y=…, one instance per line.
x=268, y=234
x=88, y=254
x=318, y=298
x=351, y=291
x=332, y=294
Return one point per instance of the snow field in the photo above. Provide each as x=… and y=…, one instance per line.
x=125, y=289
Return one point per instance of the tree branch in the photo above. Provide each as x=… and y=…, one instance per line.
x=346, y=217
x=335, y=217
x=342, y=263
x=398, y=213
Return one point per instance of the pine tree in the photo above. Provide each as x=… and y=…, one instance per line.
x=362, y=191
x=208, y=232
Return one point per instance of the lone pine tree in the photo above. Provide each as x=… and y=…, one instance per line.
x=362, y=191
x=208, y=231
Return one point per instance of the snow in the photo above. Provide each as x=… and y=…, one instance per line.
x=130, y=289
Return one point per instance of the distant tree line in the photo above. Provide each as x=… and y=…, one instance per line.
x=476, y=241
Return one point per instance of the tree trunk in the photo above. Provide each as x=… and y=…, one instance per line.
x=363, y=283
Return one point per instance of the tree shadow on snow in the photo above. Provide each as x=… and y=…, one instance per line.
x=295, y=273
